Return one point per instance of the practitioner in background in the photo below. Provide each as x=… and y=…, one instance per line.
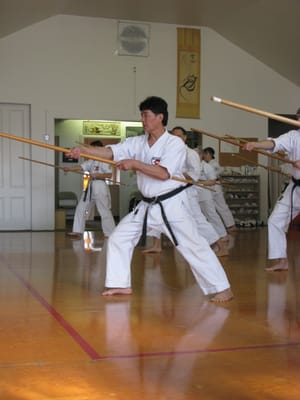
x=193, y=171
x=96, y=193
x=218, y=196
x=288, y=204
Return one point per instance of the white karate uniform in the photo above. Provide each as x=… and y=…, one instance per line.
x=286, y=168
x=282, y=214
x=193, y=169
x=169, y=152
x=98, y=194
x=205, y=198
x=219, y=199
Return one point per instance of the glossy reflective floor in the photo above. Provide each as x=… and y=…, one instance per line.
x=60, y=339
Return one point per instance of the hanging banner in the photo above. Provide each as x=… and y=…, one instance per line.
x=188, y=73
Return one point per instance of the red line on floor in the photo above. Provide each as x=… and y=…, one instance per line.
x=198, y=351
x=59, y=318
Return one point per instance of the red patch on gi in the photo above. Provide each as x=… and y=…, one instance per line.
x=155, y=160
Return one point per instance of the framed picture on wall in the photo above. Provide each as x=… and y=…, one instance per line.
x=101, y=128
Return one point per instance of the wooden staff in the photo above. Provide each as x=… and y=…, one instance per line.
x=52, y=147
x=239, y=139
x=62, y=168
x=279, y=152
x=176, y=178
x=48, y=164
x=265, y=153
x=257, y=111
x=224, y=182
x=261, y=165
x=62, y=150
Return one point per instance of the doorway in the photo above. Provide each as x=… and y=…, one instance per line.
x=70, y=132
x=15, y=176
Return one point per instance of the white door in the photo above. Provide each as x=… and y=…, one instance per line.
x=15, y=183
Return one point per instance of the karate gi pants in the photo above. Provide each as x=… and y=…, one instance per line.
x=102, y=200
x=210, y=212
x=204, y=264
x=279, y=220
x=222, y=208
x=205, y=228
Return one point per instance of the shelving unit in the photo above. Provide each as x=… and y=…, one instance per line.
x=242, y=196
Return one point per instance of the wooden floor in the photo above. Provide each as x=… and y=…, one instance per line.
x=60, y=339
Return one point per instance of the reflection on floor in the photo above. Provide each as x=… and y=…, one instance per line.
x=60, y=339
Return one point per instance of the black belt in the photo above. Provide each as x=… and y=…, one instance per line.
x=296, y=183
x=158, y=200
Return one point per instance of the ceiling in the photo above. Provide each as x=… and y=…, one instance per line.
x=267, y=29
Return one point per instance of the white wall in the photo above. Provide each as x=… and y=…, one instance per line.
x=67, y=67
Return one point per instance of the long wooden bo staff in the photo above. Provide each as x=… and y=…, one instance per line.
x=274, y=169
x=256, y=111
x=48, y=164
x=62, y=168
x=84, y=155
x=237, y=143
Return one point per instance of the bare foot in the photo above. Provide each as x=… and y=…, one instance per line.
x=152, y=250
x=282, y=265
x=225, y=238
x=112, y=292
x=232, y=228
x=223, y=296
x=222, y=249
x=222, y=253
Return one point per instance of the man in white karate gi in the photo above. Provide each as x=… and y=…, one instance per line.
x=96, y=194
x=156, y=157
x=288, y=204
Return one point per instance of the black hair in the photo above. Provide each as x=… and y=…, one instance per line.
x=181, y=129
x=209, y=150
x=157, y=105
x=97, y=143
